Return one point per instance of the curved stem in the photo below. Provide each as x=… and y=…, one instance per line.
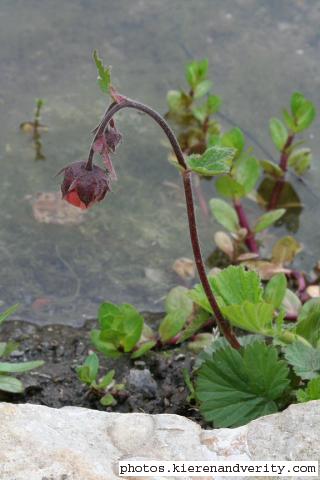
x=250, y=239
x=224, y=326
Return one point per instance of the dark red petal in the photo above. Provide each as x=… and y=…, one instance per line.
x=73, y=198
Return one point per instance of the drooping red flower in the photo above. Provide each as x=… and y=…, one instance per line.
x=83, y=188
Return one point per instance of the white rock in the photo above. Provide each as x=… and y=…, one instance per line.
x=41, y=443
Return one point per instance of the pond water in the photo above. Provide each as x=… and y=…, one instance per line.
x=259, y=52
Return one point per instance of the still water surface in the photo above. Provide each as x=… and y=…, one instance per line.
x=259, y=52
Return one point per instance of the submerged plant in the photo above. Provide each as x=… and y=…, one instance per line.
x=214, y=161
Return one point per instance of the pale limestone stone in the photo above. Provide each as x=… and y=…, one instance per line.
x=40, y=443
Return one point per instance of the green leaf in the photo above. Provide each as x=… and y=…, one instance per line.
x=202, y=88
x=88, y=372
x=291, y=303
x=234, y=138
x=214, y=161
x=253, y=317
x=224, y=214
x=107, y=348
x=308, y=324
x=104, y=78
x=278, y=132
x=285, y=249
x=178, y=299
x=300, y=160
x=143, y=349
x=7, y=313
x=197, y=321
x=275, y=290
x=303, y=110
x=271, y=168
x=7, y=367
x=289, y=120
x=106, y=380
x=232, y=286
x=267, y=219
x=213, y=104
x=10, y=384
x=171, y=325
x=311, y=392
x=304, y=360
x=196, y=72
x=236, y=387
x=246, y=171
x=108, y=400
x=230, y=188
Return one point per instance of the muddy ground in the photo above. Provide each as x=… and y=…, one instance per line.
x=152, y=384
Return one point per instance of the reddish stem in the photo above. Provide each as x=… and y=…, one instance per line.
x=244, y=223
x=283, y=164
x=223, y=324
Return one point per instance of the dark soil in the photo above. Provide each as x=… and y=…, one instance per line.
x=152, y=384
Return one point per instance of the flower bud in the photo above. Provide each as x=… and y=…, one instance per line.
x=83, y=188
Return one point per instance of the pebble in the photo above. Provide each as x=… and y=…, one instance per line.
x=141, y=381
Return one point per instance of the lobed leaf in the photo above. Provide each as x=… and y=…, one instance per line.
x=304, y=359
x=214, y=161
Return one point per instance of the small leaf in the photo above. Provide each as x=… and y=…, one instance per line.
x=246, y=171
x=291, y=303
x=20, y=367
x=271, y=168
x=300, y=160
x=311, y=392
x=253, y=317
x=214, y=161
x=108, y=400
x=177, y=299
x=289, y=120
x=171, y=325
x=275, y=290
x=89, y=370
x=104, y=78
x=106, y=380
x=224, y=243
x=196, y=72
x=308, y=324
x=200, y=113
x=213, y=104
x=202, y=88
x=285, y=250
x=234, y=138
x=224, y=214
x=278, y=132
x=10, y=384
x=303, y=110
x=267, y=219
x=177, y=101
x=143, y=349
x=304, y=360
x=229, y=187
x=235, y=387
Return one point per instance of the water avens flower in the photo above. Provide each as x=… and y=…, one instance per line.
x=83, y=187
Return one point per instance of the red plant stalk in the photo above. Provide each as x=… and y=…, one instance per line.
x=250, y=240
x=283, y=164
x=222, y=323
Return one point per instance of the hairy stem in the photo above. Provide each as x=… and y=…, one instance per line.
x=250, y=240
x=224, y=326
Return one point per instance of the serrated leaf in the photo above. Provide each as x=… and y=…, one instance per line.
x=202, y=88
x=104, y=77
x=7, y=367
x=232, y=286
x=143, y=349
x=234, y=388
x=308, y=323
x=253, y=317
x=229, y=187
x=311, y=392
x=4, y=315
x=275, y=290
x=171, y=325
x=278, y=132
x=303, y=110
x=285, y=249
x=214, y=161
x=305, y=360
x=10, y=384
x=224, y=214
x=268, y=219
x=271, y=168
x=234, y=138
x=246, y=171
